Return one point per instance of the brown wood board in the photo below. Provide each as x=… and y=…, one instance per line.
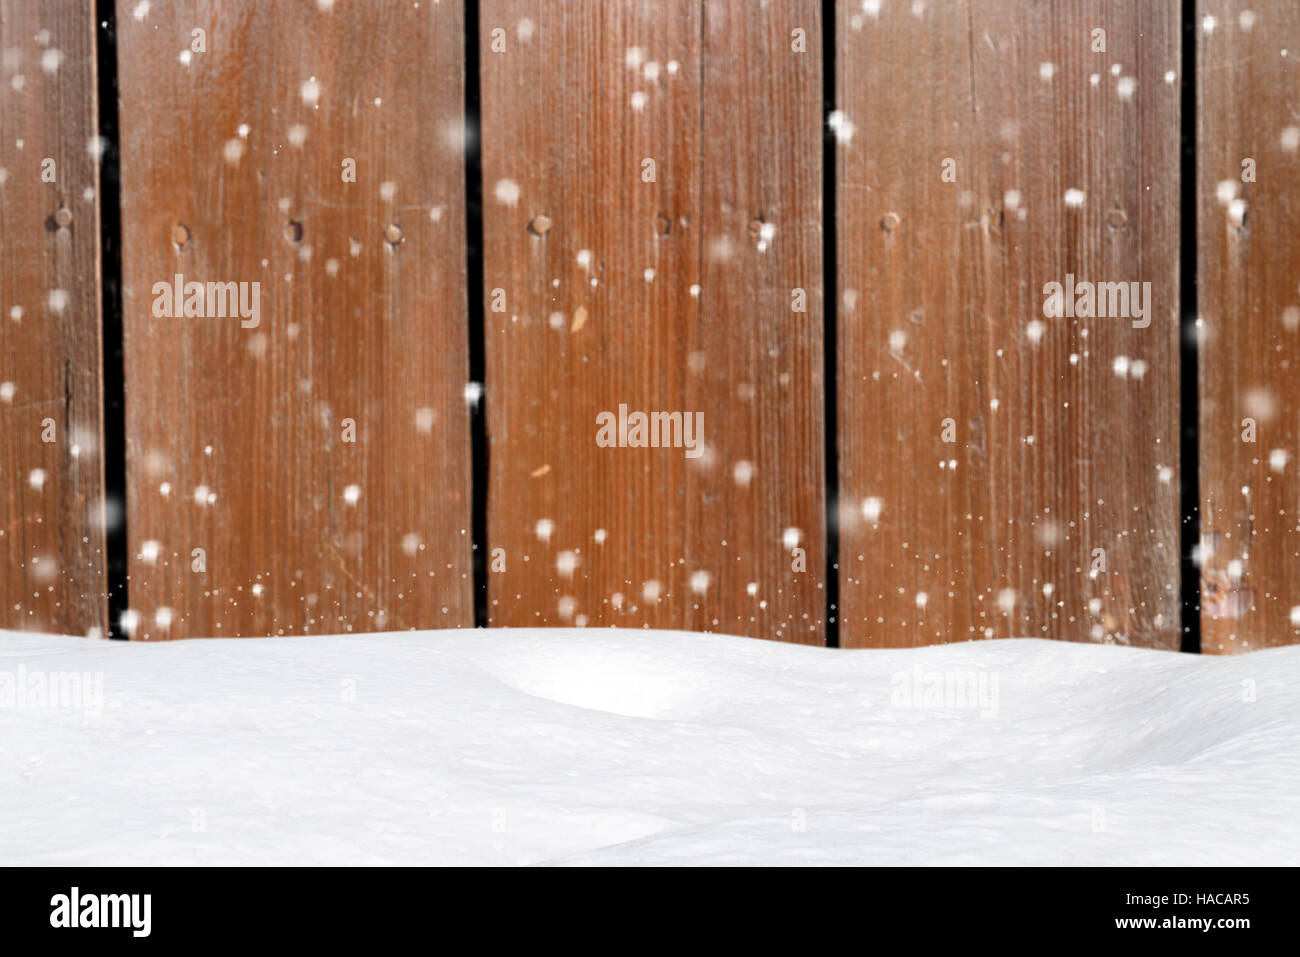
x=605, y=290
x=992, y=457
x=234, y=169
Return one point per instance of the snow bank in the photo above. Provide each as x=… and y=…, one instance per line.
x=617, y=747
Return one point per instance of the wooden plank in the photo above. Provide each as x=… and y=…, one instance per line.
x=52, y=539
x=234, y=164
x=596, y=267
x=1064, y=430
x=1249, y=309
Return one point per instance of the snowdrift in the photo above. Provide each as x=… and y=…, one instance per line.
x=618, y=747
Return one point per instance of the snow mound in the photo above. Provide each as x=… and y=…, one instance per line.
x=618, y=747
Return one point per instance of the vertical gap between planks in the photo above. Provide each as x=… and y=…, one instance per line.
x=475, y=324
x=830, y=305
x=1189, y=392
x=110, y=268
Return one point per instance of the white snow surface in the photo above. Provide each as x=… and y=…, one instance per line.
x=637, y=747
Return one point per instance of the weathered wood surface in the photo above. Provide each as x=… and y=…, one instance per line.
x=233, y=170
x=52, y=535
x=672, y=296
x=1248, y=209
x=1063, y=431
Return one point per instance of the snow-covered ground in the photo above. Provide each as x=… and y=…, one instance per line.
x=619, y=747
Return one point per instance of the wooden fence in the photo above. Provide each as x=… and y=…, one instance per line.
x=851, y=303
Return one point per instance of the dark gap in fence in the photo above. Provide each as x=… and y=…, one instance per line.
x=479, y=448
x=830, y=303
x=1189, y=394
x=110, y=258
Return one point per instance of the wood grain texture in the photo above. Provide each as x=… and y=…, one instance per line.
x=1249, y=307
x=597, y=266
x=1064, y=429
x=52, y=565
x=233, y=171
